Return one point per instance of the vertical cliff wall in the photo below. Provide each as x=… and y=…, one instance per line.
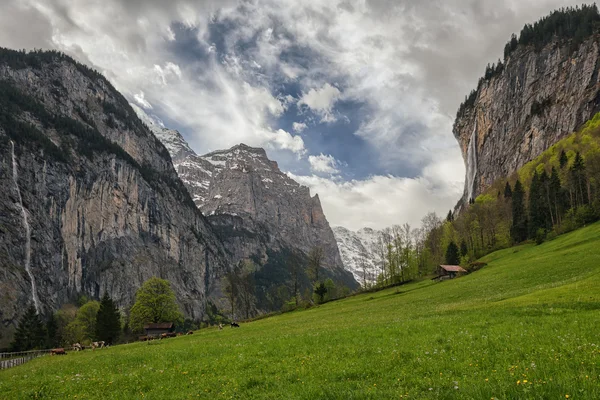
x=540, y=96
x=91, y=202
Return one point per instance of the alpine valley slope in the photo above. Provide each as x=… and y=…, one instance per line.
x=259, y=212
x=91, y=202
x=523, y=327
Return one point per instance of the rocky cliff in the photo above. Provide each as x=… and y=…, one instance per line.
x=91, y=202
x=259, y=212
x=540, y=95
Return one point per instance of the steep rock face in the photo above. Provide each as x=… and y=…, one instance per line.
x=105, y=208
x=360, y=252
x=538, y=98
x=255, y=208
x=244, y=182
x=273, y=211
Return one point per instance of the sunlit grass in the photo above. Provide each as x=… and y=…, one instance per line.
x=525, y=326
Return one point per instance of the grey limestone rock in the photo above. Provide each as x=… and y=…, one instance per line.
x=256, y=208
x=105, y=206
x=539, y=98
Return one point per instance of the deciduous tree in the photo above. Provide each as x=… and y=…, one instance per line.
x=83, y=327
x=315, y=261
x=154, y=302
x=247, y=286
x=294, y=268
x=231, y=287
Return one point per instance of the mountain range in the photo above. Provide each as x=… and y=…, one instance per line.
x=94, y=202
x=258, y=211
x=99, y=196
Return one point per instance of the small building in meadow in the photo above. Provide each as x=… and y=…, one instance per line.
x=450, y=271
x=155, y=330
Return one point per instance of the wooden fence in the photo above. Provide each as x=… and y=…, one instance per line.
x=8, y=360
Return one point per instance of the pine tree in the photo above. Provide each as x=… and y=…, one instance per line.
x=579, y=181
x=108, y=321
x=450, y=216
x=464, y=250
x=52, y=339
x=452, y=254
x=548, y=218
x=538, y=208
x=321, y=291
x=563, y=160
x=30, y=333
x=507, y=191
x=557, y=197
x=518, y=230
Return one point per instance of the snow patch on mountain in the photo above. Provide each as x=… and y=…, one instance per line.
x=170, y=138
x=360, y=252
x=274, y=212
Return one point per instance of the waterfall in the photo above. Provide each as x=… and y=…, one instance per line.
x=15, y=175
x=472, y=163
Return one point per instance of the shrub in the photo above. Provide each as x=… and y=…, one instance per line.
x=475, y=266
x=585, y=215
x=540, y=236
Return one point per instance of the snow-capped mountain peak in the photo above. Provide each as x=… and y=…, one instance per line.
x=258, y=209
x=360, y=252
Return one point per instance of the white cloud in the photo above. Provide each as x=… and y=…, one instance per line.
x=321, y=101
x=140, y=99
x=406, y=62
x=291, y=71
x=286, y=141
x=217, y=106
x=167, y=73
x=299, y=127
x=325, y=164
x=381, y=201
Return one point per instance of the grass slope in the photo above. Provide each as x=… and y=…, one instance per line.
x=524, y=327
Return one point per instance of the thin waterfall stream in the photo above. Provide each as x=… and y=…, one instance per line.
x=25, y=220
x=472, y=163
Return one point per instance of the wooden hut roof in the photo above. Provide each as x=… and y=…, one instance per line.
x=453, y=268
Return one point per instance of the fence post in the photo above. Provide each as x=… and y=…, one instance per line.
x=9, y=360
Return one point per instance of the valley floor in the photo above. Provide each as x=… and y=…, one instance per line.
x=526, y=326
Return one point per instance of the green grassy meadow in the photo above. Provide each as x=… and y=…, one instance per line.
x=527, y=326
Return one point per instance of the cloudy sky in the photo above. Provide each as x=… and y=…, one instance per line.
x=354, y=98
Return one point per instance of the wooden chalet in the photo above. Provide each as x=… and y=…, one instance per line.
x=155, y=330
x=449, y=271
